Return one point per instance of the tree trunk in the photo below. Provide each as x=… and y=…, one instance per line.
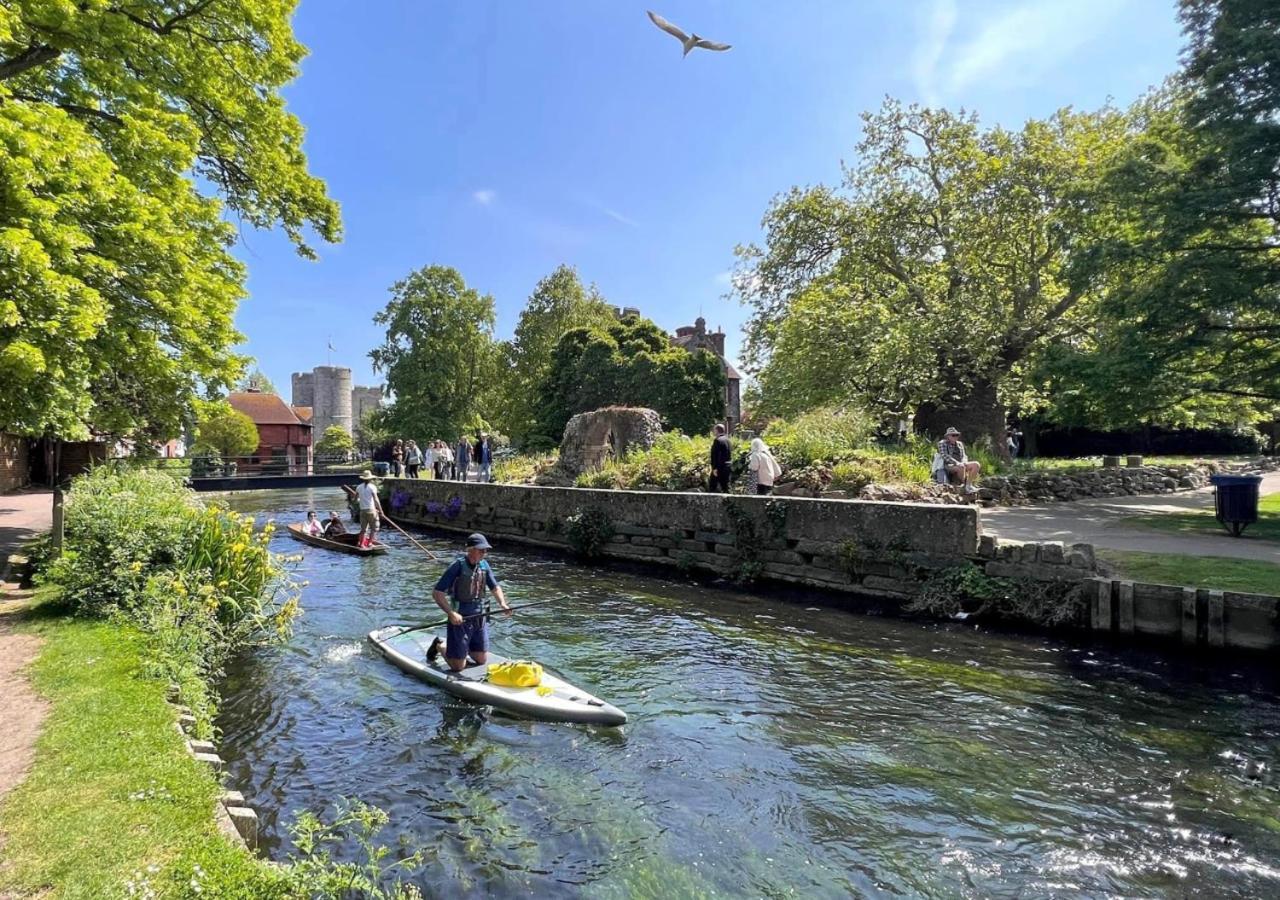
x=978, y=414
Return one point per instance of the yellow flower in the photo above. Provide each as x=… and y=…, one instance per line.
x=135, y=567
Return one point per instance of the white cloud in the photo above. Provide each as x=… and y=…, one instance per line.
x=619, y=217
x=485, y=197
x=1016, y=46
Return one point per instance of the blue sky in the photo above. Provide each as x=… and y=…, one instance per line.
x=504, y=137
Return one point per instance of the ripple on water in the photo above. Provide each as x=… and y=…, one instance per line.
x=772, y=748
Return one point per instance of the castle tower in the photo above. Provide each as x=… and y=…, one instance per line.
x=332, y=404
x=304, y=389
x=363, y=401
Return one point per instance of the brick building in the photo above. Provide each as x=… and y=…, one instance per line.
x=696, y=337
x=284, y=439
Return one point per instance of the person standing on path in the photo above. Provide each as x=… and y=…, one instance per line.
x=464, y=458
x=762, y=468
x=460, y=595
x=413, y=459
x=397, y=458
x=370, y=508
x=721, y=453
x=484, y=458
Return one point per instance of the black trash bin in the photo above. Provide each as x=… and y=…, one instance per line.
x=1235, y=500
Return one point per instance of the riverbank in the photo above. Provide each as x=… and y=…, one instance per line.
x=113, y=805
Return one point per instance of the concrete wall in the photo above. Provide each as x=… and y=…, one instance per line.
x=15, y=465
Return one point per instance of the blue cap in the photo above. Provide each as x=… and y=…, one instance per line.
x=478, y=541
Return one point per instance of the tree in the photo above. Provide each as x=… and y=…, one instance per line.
x=939, y=271
x=1192, y=322
x=118, y=290
x=631, y=363
x=558, y=303
x=255, y=380
x=439, y=355
x=228, y=431
x=335, y=442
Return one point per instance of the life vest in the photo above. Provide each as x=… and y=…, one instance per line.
x=470, y=585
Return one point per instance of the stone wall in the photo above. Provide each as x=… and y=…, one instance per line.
x=1109, y=482
x=858, y=547
x=882, y=550
x=15, y=466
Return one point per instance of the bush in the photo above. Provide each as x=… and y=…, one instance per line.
x=674, y=463
x=522, y=469
x=198, y=579
x=588, y=531
x=821, y=436
x=966, y=591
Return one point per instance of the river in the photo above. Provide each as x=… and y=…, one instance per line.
x=774, y=748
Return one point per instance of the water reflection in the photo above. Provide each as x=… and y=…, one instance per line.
x=772, y=749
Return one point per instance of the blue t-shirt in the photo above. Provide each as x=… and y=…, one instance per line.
x=460, y=568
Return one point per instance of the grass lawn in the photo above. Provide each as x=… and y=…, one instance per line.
x=1217, y=572
x=113, y=796
x=1267, y=528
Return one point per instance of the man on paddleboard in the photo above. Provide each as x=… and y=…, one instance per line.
x=460, y=594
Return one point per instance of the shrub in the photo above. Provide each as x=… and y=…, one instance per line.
x=588, y=531
x=522, y=469
x=198, y=579
x=966, y=589
x=820, y=436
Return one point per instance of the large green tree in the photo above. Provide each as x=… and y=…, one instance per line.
x=117, y=290
x=630, y=363
x=939, y=269
x=439, y=355
x=228, y=431
x=1191, y=325
x=558, y=303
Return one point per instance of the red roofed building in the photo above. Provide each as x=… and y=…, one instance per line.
x=284, y=438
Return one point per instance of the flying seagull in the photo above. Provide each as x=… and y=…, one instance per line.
x=689, y=41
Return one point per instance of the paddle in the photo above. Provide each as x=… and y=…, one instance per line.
x=479, y=614
x=411, y=540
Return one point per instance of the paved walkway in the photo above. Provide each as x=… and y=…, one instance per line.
x=1101, y=522
x=23, y=515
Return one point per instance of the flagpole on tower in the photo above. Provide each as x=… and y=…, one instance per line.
x=329, y=355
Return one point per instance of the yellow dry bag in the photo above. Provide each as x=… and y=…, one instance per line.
x=515, y=673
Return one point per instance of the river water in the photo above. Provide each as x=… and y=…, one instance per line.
x=774, y=749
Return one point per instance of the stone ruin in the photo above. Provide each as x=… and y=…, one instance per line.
x=593, y=438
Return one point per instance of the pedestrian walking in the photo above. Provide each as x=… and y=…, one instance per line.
x=463, y=454
x=721, y=453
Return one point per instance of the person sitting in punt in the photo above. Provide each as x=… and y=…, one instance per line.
x=334, y=527
x=312, y=526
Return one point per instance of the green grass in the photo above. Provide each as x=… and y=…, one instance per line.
x=1267, y=528
x=113, y=796
x=1217, y=572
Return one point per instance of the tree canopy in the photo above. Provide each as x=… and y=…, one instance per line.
x=558, y=304
x=118, y=289
x=1191, y=325
x=228, y=431
x=255, y=380
x=629, y=363
x=439, y=355
x=335, y=442
x=926, y=283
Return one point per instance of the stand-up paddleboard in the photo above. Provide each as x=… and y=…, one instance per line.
x=555, y=700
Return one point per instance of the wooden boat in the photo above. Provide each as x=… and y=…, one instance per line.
x=343, y=544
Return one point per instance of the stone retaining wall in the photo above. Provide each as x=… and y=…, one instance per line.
x=877, y=549
x=882, y=550
x=1109, y=482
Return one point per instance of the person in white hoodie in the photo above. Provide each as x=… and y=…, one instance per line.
x=762, y=469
